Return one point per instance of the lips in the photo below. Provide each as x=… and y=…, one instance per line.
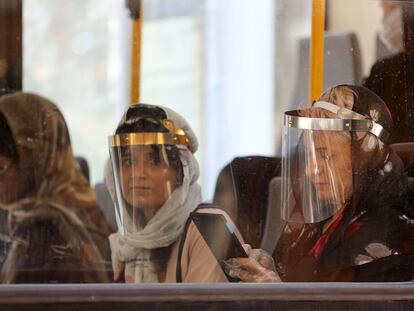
x=321, y=184
x=141, y=188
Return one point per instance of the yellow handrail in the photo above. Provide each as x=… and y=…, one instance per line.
x=136, y=55
x=317, y=50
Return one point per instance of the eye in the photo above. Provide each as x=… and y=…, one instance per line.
x=326, y=156
x=3, y=168
x=153, y=159
x=127, y=161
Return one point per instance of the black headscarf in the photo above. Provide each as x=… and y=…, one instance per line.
x=372, y=238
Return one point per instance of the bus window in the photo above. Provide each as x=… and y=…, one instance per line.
x=303, y=112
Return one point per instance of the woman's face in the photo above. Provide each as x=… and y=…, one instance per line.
x=329, y=165
x=388, y=6
x=147, y=180
x=11, y=181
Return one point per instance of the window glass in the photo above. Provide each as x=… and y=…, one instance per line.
x=59, y=39
x=195, y=76
x=311, y=166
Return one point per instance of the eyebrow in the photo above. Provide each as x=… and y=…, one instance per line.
x=148, y=154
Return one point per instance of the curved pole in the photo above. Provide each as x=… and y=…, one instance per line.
x=317, y=50
x=136, y=10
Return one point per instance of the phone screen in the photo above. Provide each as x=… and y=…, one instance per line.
x=219, y=236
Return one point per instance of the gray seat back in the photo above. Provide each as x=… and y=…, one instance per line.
x=274, y=223
x=105, y=203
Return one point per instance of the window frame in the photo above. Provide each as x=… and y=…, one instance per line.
x=182, y=296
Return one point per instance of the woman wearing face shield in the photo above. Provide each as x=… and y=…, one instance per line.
x=155, y=176
x=345, y=197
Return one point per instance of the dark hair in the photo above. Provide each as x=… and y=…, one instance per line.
x=7, y=143
x=140, y=119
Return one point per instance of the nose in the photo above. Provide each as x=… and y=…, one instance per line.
x=140, y=170
x=314, y=166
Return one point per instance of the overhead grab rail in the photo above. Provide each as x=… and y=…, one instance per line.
x=136, y=12
x=317, y=49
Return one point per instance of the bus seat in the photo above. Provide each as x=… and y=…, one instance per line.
x=406, y=152
x=274, y=223
x=342, y=65
x=83, y=166
x=105, y=202
x=242, y=191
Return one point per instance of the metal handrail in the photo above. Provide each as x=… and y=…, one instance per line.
x=135, y=293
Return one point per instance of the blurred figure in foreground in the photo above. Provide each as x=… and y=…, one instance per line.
x=51, y=227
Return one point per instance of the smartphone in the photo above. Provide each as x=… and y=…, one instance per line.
x=220, y=237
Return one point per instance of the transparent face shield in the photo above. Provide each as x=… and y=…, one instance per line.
x=317, y=176
x=147, y=170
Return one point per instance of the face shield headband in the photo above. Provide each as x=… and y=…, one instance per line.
x=175, y=136
x=316, y=163
x=347, y=120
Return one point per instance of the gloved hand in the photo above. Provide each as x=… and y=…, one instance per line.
x=259, y=267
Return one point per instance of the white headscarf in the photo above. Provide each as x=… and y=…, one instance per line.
x=132, y=252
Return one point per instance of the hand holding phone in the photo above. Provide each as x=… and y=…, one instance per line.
x=220, y=237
